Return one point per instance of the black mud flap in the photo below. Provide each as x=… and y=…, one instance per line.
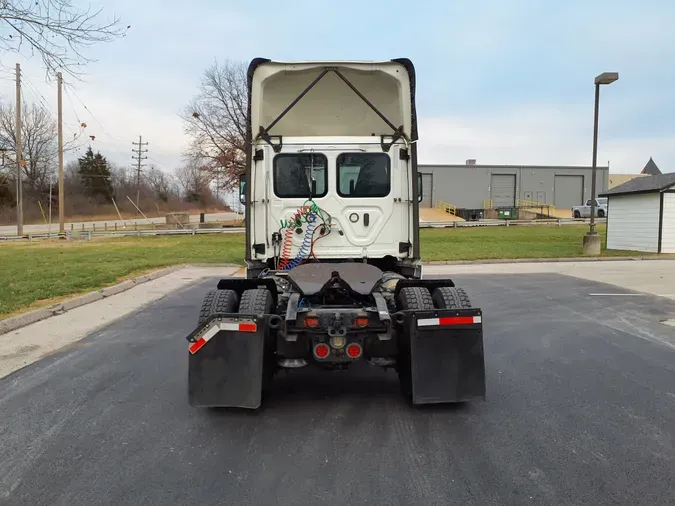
x=226, y=361
x=446, y=352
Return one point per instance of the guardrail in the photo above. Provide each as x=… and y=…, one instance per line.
x=88, y=235
x=446, y=206
x=508, y=223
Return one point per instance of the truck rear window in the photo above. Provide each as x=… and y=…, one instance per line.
x=296, y=174
x=363, y=175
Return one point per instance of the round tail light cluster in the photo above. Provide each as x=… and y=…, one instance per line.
x=321, y=350
x=354, y=350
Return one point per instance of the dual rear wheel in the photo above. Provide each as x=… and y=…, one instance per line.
x=419, y=298
x=252, y=302
x=255, y=301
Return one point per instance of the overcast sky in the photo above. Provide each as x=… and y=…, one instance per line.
x=501, y=81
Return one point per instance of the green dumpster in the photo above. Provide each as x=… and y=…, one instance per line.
x=506, y=214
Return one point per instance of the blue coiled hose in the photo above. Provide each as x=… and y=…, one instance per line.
x=306, y=246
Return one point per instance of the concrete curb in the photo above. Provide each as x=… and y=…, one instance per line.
x=217, y=266
x=23, y=320
x=542, y=260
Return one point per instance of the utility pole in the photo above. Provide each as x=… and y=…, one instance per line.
x=19, y=156
x=50, y=207
x=138, y=157
x=62, y=211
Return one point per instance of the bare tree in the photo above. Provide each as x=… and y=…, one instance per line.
x=56, y=30
x=161, y=183
x=6, y=179
x=122, y=179
x=71, y=176
x=38, y=144
x=215, y=121
x=194, y=180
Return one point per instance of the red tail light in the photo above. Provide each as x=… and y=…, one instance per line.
x=311, y=320
x=321, y=350
x=354, y=350
x=361, y=321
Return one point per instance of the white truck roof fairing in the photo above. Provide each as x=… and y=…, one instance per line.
x=334, y=105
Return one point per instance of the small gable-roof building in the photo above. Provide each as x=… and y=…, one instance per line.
x=641, y=214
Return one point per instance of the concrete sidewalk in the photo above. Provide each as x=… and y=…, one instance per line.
x=655, y=277
x=29, y=344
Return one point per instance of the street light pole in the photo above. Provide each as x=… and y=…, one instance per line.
x=594, y=170
x=592, y=240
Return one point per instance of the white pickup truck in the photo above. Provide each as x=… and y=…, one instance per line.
x=585, y=210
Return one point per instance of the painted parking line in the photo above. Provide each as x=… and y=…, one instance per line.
x=617, y=294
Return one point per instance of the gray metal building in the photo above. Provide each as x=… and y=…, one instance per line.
x=470, y=186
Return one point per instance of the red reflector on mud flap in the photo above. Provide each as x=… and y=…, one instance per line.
x=194, y=347
x=230, y=326
x=247, y=327
x=449, y=320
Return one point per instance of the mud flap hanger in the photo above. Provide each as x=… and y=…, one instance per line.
x=265, y=135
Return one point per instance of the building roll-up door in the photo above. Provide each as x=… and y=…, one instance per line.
x=503, y=190
x=568, y=191
x=427, y=189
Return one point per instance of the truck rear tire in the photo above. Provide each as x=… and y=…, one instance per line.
x=446, y=297
x=259, y=301
x=256, y=301
x=416, y=298
x=218, y=301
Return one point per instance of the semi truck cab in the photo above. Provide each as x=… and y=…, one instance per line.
x=333, y=266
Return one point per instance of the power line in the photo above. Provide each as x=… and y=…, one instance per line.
x=36, y=92
x=40, y=99
x=139, y=157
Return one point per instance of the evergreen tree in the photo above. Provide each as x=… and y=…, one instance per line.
x=95, y=174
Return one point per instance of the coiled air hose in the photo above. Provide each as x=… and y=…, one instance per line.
x=309, y=214
x=286, y=249
x=305, y=247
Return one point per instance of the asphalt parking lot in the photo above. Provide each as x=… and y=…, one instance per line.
x=580, y=410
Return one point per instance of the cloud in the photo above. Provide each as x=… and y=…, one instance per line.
x=545, y=135
x=502, y=82
x=124, y=122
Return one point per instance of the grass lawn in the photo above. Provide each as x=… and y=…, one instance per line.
x=47, y=270
x=34, y=274
x=483, y=243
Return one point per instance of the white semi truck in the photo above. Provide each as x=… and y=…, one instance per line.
x=333, y=267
